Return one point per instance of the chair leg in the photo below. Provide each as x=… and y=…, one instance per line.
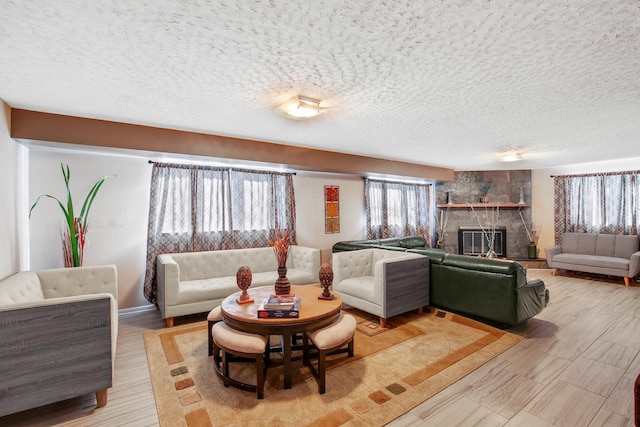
x=210, y=338
x=383, y=322
x=101, y=398
x=321, y=371
x=350, y=351
x=305, y=350
x=260, y=377
x=225, y=368
x=216, y=357
x=169, y=322
x=626, y=281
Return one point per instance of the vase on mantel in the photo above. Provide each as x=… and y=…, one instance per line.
x=532, y=250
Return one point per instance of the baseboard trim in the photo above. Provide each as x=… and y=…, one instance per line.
x=135, y=310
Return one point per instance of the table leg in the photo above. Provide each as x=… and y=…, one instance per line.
x=286, y=359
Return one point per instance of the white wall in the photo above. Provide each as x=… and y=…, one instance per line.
x=117, y=232
x=309, y=191
x=542, y=191
x=118, y=218
x=13, y=175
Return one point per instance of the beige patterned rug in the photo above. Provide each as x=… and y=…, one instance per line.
x=393, y=370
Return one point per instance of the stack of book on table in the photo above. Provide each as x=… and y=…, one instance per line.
x=280, y=306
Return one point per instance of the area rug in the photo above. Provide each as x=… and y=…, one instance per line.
x=393, y=370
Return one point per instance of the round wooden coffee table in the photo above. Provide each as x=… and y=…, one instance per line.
x=314, y=314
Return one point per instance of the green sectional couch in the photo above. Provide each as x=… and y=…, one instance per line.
x=488, y=289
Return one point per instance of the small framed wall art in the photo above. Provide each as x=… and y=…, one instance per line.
x=331, y=209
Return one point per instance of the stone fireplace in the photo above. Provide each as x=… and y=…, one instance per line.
x=459, y=202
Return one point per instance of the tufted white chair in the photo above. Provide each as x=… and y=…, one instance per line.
x=382, y=282
x=59, y=330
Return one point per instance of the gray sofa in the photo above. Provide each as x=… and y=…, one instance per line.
x=609, y=254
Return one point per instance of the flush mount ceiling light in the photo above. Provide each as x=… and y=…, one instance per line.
x=512, y=156
x=300, y=107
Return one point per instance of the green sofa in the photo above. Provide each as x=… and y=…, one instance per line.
x=488, y=289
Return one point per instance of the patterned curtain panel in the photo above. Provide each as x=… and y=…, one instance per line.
x=597, y=203
x=395, y=209
x=199, y=208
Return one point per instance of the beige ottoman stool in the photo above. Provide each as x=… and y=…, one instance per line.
x=328, y=340
x=228, y=342
x=213, y=317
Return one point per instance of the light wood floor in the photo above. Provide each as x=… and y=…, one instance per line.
x=576, y=367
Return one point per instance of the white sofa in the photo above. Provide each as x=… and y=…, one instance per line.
x=196, y=282
x=58, y=330
x=382, y=282
x=610, y=254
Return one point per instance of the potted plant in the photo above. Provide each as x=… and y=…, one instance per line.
x=75, y=232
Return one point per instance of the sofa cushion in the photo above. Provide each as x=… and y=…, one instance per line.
x=587, y=243
x=579, y=243
x=413, y=242
x=625, y=245
x=435, y=255
x=570, y=243
x=295, y=276
x=593, y=261
x=223, y=263
x=21, y=287
x=356, y=263
x=206, y=289
x=221, y=287
x=359, y=287
x=605, y=245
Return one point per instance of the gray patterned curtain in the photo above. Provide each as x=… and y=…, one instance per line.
x=597, y=203
x=395, y=209
x=200, y=208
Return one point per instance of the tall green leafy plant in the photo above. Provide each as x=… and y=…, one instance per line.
x=73, y=237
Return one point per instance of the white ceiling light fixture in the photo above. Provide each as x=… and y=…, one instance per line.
x=300, y=107
x=512, y=156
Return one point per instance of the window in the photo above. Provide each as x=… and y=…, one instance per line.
x=198, y=208
x=397, y=209
x=597, y=203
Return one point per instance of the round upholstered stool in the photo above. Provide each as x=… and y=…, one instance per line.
x=213, y=317
x=227, y=343
x=328, y=340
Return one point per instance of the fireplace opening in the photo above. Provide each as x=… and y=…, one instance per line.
x=472, y=241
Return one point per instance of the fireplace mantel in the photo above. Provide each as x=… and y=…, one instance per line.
x=483, y=205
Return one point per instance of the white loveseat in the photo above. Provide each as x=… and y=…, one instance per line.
x=196, y=282
x=610, y=254
x=58, y=330
x=382, y=282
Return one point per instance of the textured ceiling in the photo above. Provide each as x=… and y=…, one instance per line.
x=443, y=83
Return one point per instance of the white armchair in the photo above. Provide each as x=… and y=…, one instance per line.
x=382, y=282
x=58, y=330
